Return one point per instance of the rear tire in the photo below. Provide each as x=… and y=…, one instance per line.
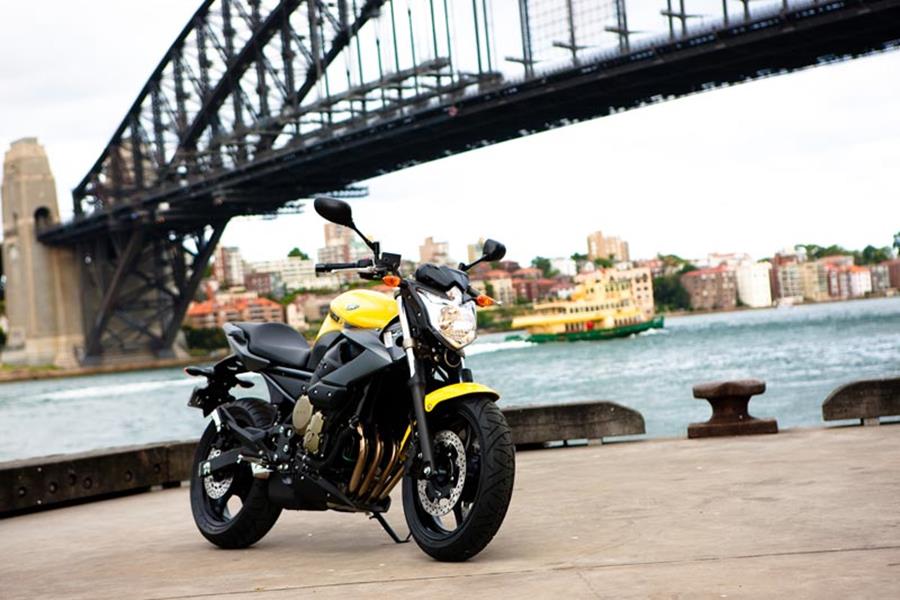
x=478, y=428
x=213, y=514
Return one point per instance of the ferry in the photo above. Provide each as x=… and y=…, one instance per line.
x=598, y=310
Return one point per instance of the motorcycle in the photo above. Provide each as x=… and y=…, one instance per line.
x=382, y=396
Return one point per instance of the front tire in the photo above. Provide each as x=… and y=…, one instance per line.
x=455, y=515
x=231, y=508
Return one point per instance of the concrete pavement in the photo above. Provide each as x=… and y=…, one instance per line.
x=802, y=514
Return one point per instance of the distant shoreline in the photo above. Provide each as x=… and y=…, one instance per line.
x=12, y=374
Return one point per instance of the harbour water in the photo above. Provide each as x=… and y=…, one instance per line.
x=802, y=353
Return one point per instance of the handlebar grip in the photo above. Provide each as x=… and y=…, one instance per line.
x=360, y=264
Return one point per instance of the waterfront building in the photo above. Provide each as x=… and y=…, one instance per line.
x=880, y=278
x=221, y=309
x=564, y=266
x=711, y=289
x=893, y=267
x=228, y=266
x=435, y=252
x=813, y=281
x=607, y=247
x=788, y=281
x=753, y=285
x=848, y=281
x=860, y=279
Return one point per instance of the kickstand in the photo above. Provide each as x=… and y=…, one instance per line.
x=390, y=530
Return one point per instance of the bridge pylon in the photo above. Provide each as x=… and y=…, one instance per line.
x=43, y=298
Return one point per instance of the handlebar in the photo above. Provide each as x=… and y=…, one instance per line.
x=360, y=264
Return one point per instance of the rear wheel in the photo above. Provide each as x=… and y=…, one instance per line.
x=456, y=513
x=231, y=508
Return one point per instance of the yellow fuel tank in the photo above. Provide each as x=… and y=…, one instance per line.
x=364, y=309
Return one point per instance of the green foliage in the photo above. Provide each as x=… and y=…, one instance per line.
x=542, y=263
x=578, y=257
x=604, y=263
x=297, y=252
x=669, y=294
x=871, y=255
x=489, y=288
x=2, y=338
x=204, y=339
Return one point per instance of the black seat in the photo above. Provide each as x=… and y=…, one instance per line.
x=277, y=342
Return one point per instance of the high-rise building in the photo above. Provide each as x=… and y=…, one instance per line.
x=753, y=285
x=434, y=252
x=607, y=247
x=228, y=268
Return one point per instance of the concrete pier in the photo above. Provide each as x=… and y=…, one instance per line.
x=804, y=514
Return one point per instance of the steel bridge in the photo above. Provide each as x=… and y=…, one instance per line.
x=260, y=103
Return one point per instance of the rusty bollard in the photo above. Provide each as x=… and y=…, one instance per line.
x=729, y=401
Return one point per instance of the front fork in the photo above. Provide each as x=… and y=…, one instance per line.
x=417, y=391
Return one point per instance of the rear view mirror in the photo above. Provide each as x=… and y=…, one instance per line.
x=334, y=210
x=493, y=250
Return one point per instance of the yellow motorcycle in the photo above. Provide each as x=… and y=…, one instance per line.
x=382, y=396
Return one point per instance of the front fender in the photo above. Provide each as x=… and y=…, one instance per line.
x=457, y=390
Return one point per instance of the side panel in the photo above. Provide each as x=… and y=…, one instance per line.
x=457, y=390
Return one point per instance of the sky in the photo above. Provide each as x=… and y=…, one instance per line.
x=805, y=158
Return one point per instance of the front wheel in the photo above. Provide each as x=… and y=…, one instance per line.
x=456, y=513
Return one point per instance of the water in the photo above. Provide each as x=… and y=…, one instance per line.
x=802, y=353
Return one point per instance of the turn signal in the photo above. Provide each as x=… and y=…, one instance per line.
x=391, y=280
x=483, y=300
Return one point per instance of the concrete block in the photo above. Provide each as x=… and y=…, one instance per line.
x=64, y=479
x=866, y=400
x=583, y=420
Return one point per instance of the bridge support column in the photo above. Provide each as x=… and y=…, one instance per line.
x=42, y=296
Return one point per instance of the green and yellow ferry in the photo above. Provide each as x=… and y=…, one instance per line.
x=598, y=310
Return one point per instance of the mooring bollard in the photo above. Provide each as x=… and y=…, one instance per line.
x=729, y=400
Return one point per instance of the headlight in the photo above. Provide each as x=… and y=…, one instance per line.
x=454, y=320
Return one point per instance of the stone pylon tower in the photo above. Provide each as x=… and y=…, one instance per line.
x=43, y=301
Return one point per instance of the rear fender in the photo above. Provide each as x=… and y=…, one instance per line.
x=457, y=390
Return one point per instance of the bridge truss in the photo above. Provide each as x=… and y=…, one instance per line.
x=259, y=103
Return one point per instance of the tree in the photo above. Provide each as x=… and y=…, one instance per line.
x=669, y=294
x=544, y=265
x=871, y=255
x=578, y=257
x=605, y=263
x=298, y=253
